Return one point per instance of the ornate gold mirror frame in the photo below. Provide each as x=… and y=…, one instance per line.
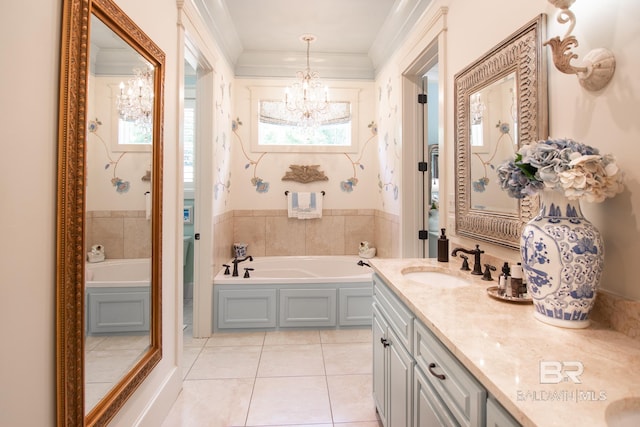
x=71, y=207
x=520, y=55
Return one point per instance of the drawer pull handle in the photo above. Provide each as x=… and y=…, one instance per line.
x=385, y=342
x=439, y=376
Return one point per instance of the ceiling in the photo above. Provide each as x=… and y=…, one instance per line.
x=261, y=38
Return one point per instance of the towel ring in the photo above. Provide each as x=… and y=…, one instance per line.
x=286, y=193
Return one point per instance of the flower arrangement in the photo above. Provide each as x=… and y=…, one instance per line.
x=576, y=169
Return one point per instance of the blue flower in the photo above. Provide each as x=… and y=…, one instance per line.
x=585, y=245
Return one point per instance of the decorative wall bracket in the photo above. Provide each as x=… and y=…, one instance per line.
x=599, y=64
x=304, y=174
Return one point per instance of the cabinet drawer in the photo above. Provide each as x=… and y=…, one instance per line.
x=428, y=409
x=458, y=389
x=398, y=316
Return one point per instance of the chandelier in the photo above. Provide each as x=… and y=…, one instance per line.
x=307, y=100
x=135, y=101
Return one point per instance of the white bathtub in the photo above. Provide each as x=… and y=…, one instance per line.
x=117, y=293
x=297, y=269
x=117, y=273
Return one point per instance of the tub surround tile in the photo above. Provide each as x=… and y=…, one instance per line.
x=325, y=237
x=272, y=233
x=284, y=236
x=251, y=230
x=502, y=345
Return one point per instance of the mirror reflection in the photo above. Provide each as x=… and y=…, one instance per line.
x=118, y=231
x=493, y=137
x=500, y=103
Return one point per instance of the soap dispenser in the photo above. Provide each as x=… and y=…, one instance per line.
x=443, y=247
x=504, y=284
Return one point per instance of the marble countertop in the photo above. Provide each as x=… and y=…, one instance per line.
x=503, y=345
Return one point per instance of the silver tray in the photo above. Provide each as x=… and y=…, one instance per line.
x=494, y=292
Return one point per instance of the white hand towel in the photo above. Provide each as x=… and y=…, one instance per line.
x=304, y=200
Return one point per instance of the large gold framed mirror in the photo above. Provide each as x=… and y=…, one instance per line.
x=500, y=105
x=109, y=218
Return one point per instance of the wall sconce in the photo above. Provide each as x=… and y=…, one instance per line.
x=599, y=64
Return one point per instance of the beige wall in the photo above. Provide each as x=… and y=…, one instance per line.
x=29, y=106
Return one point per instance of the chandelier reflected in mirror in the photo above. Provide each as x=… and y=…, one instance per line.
x=135, y=100
x=307, y=100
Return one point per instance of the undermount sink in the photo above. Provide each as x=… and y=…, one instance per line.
x=623, y=413
x=436, y=279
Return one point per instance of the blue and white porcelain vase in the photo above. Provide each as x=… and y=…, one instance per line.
x=563, y=260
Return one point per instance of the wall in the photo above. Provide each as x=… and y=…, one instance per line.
x=29, y=118
x=604, y=119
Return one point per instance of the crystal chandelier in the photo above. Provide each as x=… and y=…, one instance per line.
x=307, y=100
x=135, y=101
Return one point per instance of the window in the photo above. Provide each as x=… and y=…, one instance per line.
x=189, y=140
x=275, y=130
x=276, y=126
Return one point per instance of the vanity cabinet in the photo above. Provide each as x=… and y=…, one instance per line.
x=417, y=381
x=392, y=372
x=462, y=395
x=497, y=416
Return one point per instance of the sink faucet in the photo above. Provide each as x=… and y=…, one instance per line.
x=477, y=266
x=237, y=261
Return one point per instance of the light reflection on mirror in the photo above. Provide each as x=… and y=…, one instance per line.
x=493, y=135
x=118, y=215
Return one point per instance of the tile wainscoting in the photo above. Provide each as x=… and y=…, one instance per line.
x=124, y=234
x=338, y=232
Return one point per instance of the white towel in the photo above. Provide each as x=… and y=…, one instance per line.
x=304, y=205
x=147, y=204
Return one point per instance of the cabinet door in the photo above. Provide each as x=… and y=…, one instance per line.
x=246, y=308
x=307, y=307
x=355, y=306
x=379, y=332
x=497, y=416
x=428, y=409
x=400, y=382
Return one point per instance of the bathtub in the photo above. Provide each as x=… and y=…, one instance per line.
x=294, y=292
x=118, y=273
x=117, y=295
x=297, y=270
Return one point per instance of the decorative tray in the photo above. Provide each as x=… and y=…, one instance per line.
x=495, y=293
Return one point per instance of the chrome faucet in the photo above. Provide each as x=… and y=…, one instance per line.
x=237, y=261
x=477, y=266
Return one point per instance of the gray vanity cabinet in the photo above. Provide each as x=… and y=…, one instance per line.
x=393, y=364
x=460, y=393
x=392, y=374
x=417, y=381
x=497, y=416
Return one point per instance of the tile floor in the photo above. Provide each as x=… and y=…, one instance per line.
x=291, y=378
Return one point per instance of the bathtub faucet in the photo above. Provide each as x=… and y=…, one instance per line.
x=477, y=266
x=237, y=261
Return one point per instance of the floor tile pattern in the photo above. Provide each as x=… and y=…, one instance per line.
x=287, y=378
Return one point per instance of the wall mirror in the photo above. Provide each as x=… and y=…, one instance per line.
x=500, y=104
x=109, y=211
